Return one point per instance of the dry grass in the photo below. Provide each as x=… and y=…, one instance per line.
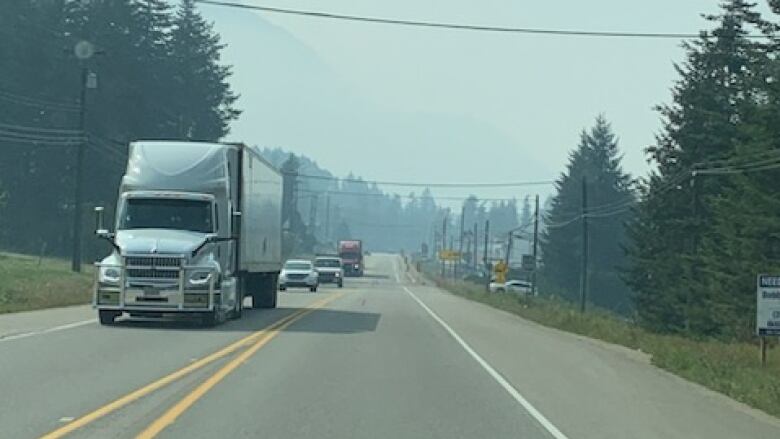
x=733, y=369
x=26, y=285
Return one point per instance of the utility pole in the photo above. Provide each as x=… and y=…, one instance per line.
x=443, y=244
x=460, y=244
x=313, y=214
x=584, y=268
x=476, y=247
x=78, y=196
x=536, y=245
x=83, y=50
x=485, y=255
x=509, y=248
x=452, y=263
x=487, y=243
x=694, y=249
x=327, y=218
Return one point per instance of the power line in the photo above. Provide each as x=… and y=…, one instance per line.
x=725, y=171
x=429, y=185
x=393, y=195
x=52, y=142
x=464, y=27
x=25, y=136
x=38, y=130
x=35, y=102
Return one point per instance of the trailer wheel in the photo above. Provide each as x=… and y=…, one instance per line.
x=263, y=289
x=107, y=317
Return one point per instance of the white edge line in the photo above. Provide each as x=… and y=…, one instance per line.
x=47, y=330
x=536, y=414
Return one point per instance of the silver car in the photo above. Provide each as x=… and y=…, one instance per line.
x=330, y=270
x=299, y=273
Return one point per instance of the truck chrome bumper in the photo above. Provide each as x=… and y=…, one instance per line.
x=164, y=298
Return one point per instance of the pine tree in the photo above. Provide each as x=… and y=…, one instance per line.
x=597, y=158
x=205, y=101
x=711, y=100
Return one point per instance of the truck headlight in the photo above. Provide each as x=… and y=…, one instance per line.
x=109, y=275
x=199, y=278
x=337, y=274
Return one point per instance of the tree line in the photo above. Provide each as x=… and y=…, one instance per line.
x=153, y=71
x=683, y=245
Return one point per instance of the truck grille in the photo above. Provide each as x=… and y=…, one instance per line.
x=296, y=276
x=152, y=273
x=147, y=261
x=153, y=267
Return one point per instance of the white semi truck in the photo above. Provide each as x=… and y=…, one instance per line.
x=197, y=228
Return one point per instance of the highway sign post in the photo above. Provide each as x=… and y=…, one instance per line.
x=767, y=309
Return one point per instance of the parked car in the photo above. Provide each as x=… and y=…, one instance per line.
x=511, y=286
x=519, y=286
x=330, y=270
x=299, y=273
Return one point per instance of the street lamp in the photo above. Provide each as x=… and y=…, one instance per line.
x=83, y=50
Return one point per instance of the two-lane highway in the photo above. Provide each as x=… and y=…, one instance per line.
x=384, y=357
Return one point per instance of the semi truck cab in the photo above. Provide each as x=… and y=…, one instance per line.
x=180, y=243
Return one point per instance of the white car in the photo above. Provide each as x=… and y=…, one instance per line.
x=512, y=286
x=330, y=270
x=299, y=273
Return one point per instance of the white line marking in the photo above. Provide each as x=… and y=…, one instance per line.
x=47, y=330
x=552, y=429
x=66, y=419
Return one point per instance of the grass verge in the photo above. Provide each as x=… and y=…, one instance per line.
x=733, y=369
x=25, y=285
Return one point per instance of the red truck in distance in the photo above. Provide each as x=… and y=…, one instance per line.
x=351, y=254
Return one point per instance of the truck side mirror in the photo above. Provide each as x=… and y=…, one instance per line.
x=100, y=229
x=236, y=222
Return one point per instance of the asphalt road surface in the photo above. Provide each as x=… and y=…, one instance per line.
x=385, y=357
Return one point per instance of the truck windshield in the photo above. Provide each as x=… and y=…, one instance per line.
x=327, y=263
x=350, y=256
x=167, y=213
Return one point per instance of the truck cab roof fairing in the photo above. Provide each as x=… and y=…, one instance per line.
x=176, y=166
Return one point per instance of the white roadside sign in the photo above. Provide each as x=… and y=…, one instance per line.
x=768, y=305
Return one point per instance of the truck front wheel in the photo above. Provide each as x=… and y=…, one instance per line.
x=238, y=309
x=107, y=317
x=211, y=318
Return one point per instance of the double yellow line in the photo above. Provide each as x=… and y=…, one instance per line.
x=255, y=341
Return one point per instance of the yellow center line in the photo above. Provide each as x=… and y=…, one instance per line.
x=185, y=403
x=172, y=377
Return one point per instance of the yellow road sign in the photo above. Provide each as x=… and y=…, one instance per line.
x=449, y=255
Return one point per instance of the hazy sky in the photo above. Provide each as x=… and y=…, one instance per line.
x=445, y=105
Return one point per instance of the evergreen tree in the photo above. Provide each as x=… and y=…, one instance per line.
x=597, y=159
x=139, y=95
x=714, y=96
x=203, y=96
